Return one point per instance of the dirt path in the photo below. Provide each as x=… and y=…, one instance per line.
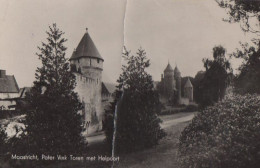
x=170, y=122
x=177, y=120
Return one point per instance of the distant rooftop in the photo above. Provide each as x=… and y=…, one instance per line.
x=188, y=84
x=8, y=83
x=168, y=68
x=108, y=87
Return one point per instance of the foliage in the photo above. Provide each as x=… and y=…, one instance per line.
x=3, y=138
x=216, y=79
x=197, y=86
x=225, y=135
x=137, y=104
x=53, y=125
x=191, y=108
x=247, y=12
x=248, y=79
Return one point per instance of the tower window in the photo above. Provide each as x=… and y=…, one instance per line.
x=78, y=60
x=98, y=61
x=90, y=62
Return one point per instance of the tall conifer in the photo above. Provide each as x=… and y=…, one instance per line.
x=53, y=125
x=137, y=121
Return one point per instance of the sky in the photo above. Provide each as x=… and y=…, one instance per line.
x=182, y=32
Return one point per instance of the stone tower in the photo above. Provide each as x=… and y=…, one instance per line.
x=169, y=83
x=87, y=65
x=188, y=90
x=177, y=76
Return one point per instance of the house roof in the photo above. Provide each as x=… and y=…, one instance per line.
x=188, y=84
x=23, y=91
x=108, y=87
x=168, y=68
x=86, y=48
x=8, y=84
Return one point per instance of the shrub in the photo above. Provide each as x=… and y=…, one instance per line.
x=191, y=108
x=225, y=135
x=3, y=138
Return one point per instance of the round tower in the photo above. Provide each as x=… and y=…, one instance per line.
x=169, y=84
x=87, y=64
x=177, y=75
x=188, y=90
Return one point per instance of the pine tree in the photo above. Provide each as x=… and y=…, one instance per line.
x=53, y=125
x=138, y=105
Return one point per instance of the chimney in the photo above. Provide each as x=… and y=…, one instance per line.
x=2, y=73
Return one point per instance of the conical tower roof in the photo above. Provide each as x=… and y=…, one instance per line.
x=177, y=72
x=188, y=84
x=86, y=48
x=168, y=68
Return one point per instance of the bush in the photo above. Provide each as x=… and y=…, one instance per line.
x=3, y=138
x=191, y=108
x=225, y=135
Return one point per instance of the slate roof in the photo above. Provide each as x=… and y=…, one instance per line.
x=168, y=68
x=86, y=48
x=8, y=84
x=188, y=84
x=108, y=88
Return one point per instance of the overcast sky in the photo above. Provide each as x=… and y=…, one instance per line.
x=181, y=31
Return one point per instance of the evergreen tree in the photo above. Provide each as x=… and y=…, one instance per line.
x=53, y=125
x=137, y=107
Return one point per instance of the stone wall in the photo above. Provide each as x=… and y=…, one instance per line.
x=89, y=91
